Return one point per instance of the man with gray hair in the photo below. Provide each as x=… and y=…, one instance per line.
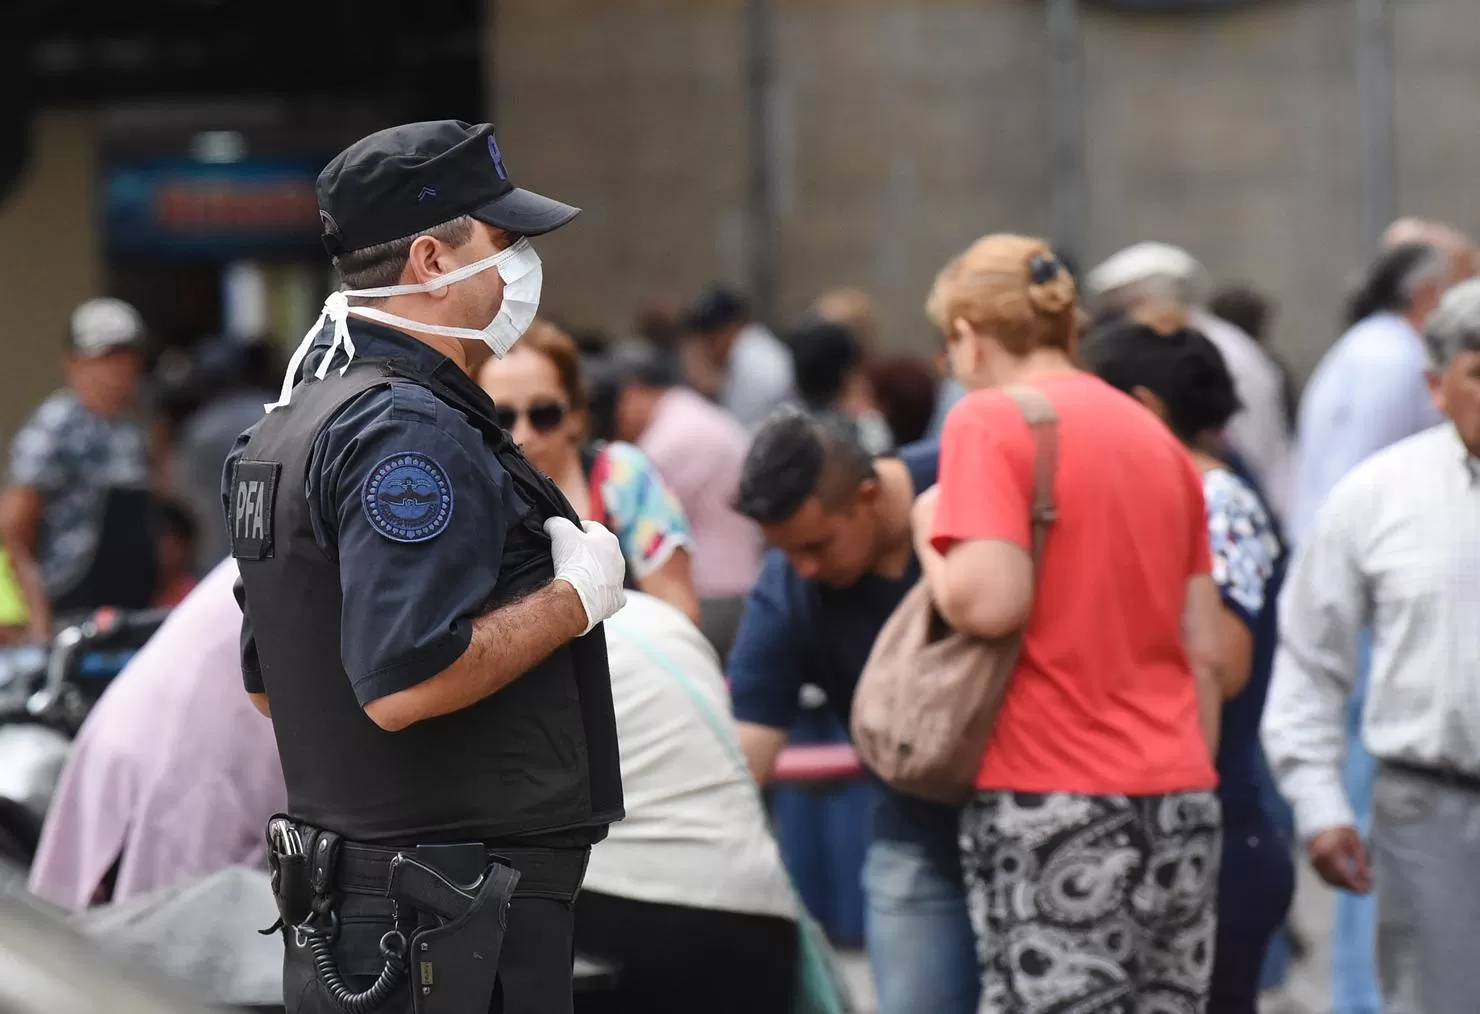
x=1396, y=547
x=1260, y=432
x=1368, y=392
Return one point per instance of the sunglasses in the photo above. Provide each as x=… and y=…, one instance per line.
x=543, y=416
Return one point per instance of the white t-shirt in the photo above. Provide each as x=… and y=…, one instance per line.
x=696, y=833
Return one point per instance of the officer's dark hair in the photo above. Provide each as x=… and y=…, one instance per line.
x=1390, y=283
x=795, y=456
x=1181, y=367
x=823, y=353
x=375, y=266
x=717, y=309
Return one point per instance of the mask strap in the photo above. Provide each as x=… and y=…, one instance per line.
x=442, y=281
x=337, y=310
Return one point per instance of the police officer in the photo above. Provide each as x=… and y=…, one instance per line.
x=422, y=607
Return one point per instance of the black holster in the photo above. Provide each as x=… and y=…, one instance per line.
x=383, y=931
x=455, y=960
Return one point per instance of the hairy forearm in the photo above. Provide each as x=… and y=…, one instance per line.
x=506, y=644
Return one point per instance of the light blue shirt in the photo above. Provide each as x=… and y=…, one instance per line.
x=1367, y=392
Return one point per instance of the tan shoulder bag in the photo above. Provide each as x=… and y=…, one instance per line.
x=928, y=697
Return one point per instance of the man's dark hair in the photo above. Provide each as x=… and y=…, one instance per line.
x=823, y=354
x=795, y=456
x=1183, y=368
x=717, y=309
x=1390, y=282
x=1244, y=307
x=375, y=266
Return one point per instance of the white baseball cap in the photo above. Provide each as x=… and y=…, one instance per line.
x=102, y=325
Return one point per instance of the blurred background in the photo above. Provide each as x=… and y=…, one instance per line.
x=164, y=151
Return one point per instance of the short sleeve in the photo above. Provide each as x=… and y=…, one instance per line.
x=416, y=511
x=986, y=474
x=767, y=663
x=1243, y=544
x=641, y=510
x=38, y=452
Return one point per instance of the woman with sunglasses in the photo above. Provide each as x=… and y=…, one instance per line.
x=541, y=400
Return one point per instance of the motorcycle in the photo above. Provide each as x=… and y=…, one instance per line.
x=46, y=692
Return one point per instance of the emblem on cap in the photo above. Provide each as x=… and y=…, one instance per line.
x=408, y=498
x=497, y=156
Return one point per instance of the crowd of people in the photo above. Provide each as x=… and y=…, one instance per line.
x=1247, y=629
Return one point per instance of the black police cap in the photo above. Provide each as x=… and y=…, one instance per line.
x=405, y=180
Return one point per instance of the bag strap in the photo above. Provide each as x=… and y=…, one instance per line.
x=1043, y=422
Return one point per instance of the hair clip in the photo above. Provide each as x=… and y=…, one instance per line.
x=1042, y=269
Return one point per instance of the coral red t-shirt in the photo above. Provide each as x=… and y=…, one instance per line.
x=1103, y=700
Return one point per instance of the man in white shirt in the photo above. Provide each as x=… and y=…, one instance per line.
x=1396, y=547
x=1260, y=433
x=1368, y=392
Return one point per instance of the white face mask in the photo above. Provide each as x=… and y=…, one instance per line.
x=519, y=267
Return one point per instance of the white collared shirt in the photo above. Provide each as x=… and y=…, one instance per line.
x=1396, y=546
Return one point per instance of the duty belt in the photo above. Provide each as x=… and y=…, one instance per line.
x=543, y=873
x=458, y=922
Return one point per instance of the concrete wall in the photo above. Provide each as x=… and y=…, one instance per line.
x=49, y=261
x=908, y=127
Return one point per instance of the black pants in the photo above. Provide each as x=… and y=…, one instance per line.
x=1255, y=887
x=534, y=969
x=678, y=960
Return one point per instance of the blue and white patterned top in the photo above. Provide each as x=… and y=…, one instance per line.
x=73, y=457
x=1244, y=543
x=1249, y=567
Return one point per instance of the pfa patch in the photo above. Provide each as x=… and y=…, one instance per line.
x=253, y=508
x=408, y=498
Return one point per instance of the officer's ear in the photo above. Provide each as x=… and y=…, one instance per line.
x=428, y=258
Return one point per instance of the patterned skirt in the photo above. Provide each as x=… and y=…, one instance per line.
x=1093, y=904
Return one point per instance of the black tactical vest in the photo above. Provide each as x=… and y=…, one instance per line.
x=538, y=756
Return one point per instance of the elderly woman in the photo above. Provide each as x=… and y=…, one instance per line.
x=1091, y=846
x=1181, y=377
x=542, y=402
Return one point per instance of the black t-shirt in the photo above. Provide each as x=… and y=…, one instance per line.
x=797, y=632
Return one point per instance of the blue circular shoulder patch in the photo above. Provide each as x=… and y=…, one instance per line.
x=408, y=498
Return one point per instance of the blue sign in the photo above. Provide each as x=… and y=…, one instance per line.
x=185, y=208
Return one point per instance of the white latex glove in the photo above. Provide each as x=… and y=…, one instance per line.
x=590, y=560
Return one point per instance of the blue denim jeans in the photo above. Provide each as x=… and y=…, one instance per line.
x=1354, y=939
x=921, y=949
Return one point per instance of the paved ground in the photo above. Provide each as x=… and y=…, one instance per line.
x=1308, y=990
